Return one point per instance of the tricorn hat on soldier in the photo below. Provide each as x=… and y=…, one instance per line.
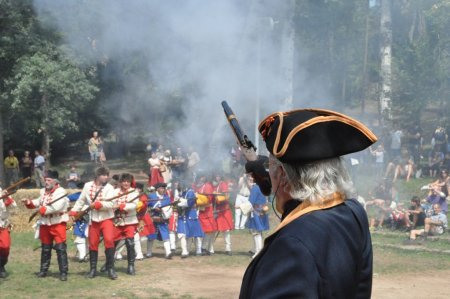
x=307, y=135
x=160, y=185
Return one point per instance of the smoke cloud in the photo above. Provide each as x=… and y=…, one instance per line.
x=201, y=51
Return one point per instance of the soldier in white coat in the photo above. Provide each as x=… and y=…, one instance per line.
x=52, y=205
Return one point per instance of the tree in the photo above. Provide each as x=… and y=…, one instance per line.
x=17, y=28
x=47, y=93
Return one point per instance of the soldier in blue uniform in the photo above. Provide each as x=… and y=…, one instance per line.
x=188, y=226
x=157, y=203
x=259, y=219
x=80, y=231
x=322, y=247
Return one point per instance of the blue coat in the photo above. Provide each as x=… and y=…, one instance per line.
x=258, y=219
x=79, y=227
x=188, y=223
x=323, y=254
x=162, y=228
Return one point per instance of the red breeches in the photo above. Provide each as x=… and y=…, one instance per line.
x=125, y=232
x=5, y=242
x=105, y=228
x=50, y=233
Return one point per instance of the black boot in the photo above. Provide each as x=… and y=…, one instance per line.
x=61, y=253
x=3, y=261
x=131, y=256
x=109, y=252
x=46, y=255
x=103, y=268
x=93, y=256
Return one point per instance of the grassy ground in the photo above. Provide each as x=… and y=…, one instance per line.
x=160, y=278
x=217, y=276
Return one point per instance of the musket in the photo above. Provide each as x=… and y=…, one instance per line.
x=242, y=138
x=84, y=212
x=117, y=218
x=8, y=194
x=259, y=173
x=174, y=203
x=18, y=183
x=52, y=202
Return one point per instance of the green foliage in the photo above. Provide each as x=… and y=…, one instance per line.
x=48, y=92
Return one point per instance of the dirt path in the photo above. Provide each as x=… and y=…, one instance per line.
x=208, y=281
x=416, y=286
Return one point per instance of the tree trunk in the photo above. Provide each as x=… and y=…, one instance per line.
x=288, y=52
x=386, y=59
x=2, y=177
x=364, y=87
x=46, y=150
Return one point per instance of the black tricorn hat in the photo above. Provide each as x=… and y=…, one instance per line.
x=160, y=185
x=52, y=174
x=306, y=135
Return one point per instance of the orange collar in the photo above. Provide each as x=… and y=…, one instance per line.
x=306, y=207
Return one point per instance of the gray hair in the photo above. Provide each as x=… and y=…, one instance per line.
x=316, y=180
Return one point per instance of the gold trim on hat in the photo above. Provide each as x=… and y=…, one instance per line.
x=335, y=116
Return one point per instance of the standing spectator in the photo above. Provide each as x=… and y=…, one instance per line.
x=439, y=140
x=93, y=147
x=101, y=151
x=73, y=178
x=11, y=168
x=39, y=169
x=193, y=162
x=435, y=162
x=167, y=159
x=155, y=170
x=396, y=143
x=378, y=154
x=178, y=164
x=26, y=165
x=415, y=145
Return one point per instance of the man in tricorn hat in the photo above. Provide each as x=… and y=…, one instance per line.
x=52, y=206
x=322, y=247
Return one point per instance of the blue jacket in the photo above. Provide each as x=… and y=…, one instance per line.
x=323, y=254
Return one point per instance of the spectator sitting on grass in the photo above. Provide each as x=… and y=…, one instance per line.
x=400, y=219
x=434, y=225
x=405, y=167
x=436, y=196
x=415, y=214
x=380, y=211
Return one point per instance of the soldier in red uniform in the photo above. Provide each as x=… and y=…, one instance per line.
x=6, y=204
x=224, y=218
x=206, y=214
